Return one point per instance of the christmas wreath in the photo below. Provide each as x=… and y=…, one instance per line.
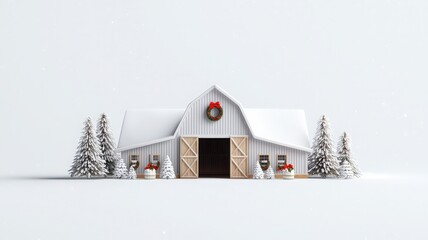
x=217, y=106
x=264, y=165
x=135, y=164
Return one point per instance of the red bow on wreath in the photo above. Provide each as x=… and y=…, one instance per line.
x=214, y=105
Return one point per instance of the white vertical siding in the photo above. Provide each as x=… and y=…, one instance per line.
x=195, y=121
x=296, y=157
x=164, y=148
x=232, y=123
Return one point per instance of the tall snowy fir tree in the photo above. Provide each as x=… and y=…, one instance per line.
x=257, y=171
x=106, y=142
x=322, y=160
x=120, y=170
x=346, y=170
x=87, y=161
x=167, y=170
x=344, y=154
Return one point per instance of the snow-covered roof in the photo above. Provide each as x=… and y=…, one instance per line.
x=147, y=126
x=279, y=126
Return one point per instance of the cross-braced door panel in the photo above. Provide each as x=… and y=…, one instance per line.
x=189, y=157
x=239, y=157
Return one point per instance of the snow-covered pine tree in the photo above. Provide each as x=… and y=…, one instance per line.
x=322, y=160
x=258, y=172
x=120, y=170
x=346, y=170
x=344, y=154
x=132, y=174
x=106, y=142
x=269, y=174
x=87, y=161
x=167, y=170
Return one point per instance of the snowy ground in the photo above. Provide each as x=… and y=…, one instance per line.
x=375, y=207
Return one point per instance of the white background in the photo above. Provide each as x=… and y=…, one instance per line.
x=362, y=63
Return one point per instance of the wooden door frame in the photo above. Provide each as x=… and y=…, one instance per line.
x=246, y=155
x=184, y=162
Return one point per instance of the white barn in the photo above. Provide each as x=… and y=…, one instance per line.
x=227, y=147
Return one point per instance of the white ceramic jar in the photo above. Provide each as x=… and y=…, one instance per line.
x=287, y=174
x=149, y=174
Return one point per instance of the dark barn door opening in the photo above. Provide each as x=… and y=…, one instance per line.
x=214, y=157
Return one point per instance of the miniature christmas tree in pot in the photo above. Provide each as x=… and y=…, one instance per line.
x=270, y=174
x=287, y=171
x=258, y=172
x=167, y=170
x=120, y=170
x=87, y=161
x=132, y=174
x=150, y=171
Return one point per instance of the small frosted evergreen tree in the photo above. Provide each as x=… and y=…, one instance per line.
x=120, y=170
x=322, y=160
x=346, y=170
x=344, y=154
x=87, y=161
x=270, y=174
x=132, y=174
x=258, y=172
x=167, y=170
x=106, y=142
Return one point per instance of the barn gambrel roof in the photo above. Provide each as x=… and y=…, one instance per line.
x=278, y=126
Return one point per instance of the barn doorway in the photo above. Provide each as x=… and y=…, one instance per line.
x=214, y=157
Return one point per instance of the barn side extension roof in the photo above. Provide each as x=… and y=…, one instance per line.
x=279, y=126
x=147, y=126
